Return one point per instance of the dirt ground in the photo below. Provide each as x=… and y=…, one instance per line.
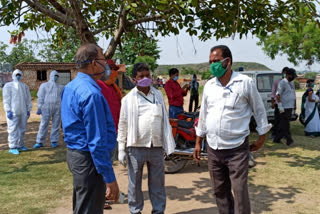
x=188, y=192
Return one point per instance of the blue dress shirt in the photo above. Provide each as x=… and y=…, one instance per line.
x=87, y=123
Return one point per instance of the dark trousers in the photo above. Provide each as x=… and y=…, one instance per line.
x=193, y=98
x=284, y=126
x=229, y=173
x=276, y=121
x=89, y=188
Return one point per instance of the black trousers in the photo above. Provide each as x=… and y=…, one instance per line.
x=284, y=126
x=89, y=188
x=276, y=121
x=229, y=173
x=193, y=98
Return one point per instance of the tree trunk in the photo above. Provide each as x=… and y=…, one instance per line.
x=86, y=36
x=115, y=41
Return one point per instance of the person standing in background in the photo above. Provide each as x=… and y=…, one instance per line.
x=175, y=93
x=312, y=117
x=286, y=97
x=17, y=104
x=194, y=93
x=49, y=105
x=113, y=95
x=275, y=102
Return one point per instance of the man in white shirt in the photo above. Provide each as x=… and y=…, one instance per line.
x=144, y=133
x=286, y=97
x=274, y=101
x=229, y=100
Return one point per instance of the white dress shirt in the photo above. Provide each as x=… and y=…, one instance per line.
x=287, y=93
x=149, y=121
x=226, y=112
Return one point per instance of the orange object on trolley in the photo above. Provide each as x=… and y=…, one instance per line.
x=174, y=125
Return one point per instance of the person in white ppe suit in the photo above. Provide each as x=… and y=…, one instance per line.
x=17, y=104
x=49, y=102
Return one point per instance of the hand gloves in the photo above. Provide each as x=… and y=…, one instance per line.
x=39, y=112
x=122, y=156
x=9, y=115
x=28, y=114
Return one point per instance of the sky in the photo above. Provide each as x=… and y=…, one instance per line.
x=180, y=49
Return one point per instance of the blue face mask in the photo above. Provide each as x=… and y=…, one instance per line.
x=18, y=77
x=56, y=77
x=176, y=78
x=106, y=72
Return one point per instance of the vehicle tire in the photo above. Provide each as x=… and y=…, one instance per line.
x=174, y=163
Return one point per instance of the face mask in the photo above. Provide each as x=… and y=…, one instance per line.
x=56, y=78
x=18, y=77
x=175, y=78
x=145, y=82
x=284, y=76
x=112, y=78
x=217, y=69
x=106, y=72
x=312, y=86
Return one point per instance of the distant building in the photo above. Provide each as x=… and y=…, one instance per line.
x=5, y=77
x=36, y=73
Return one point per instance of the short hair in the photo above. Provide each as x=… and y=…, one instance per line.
x=285, y=69
x=310, y=82
x=225, y=51
x=138, y=67
x=173, y=71
x=194, y=76
x=86, y=53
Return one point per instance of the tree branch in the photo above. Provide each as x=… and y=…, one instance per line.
x=55, y=15
x=80, y=23
x=58, y=6
x=103, y=29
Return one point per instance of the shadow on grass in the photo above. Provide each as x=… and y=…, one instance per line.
x=57, y=155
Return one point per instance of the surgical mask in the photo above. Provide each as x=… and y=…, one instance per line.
x=106, y=72
x=284, y=76
x=176, y=78
x=18, y=77
x=312, y=86
x=56, y=78
x=217, y=69
x=145, y=82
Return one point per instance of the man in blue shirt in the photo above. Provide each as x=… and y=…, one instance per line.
x=90, y=134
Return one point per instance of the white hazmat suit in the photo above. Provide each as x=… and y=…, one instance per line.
x=17, y=99
x=49, y=102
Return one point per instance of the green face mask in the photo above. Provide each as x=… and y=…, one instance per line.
x=312, y=86
x=217, y=69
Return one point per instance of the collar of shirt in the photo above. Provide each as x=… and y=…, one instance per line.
x=235, y=77
x=89, y=79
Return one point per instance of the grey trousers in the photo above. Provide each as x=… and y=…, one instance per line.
x=229, y=173
x=89, y=188
x=154, y=159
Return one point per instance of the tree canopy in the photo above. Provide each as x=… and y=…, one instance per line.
x=133, y=47
x=299, y=39
x=114, y=18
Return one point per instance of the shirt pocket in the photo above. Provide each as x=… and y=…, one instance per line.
x=231, y=100
x=157, y=110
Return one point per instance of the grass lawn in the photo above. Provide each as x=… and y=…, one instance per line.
x=34, y=181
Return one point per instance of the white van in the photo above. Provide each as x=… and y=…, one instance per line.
x=264, y=81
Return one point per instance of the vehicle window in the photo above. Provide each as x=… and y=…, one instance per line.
x=265, y=81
